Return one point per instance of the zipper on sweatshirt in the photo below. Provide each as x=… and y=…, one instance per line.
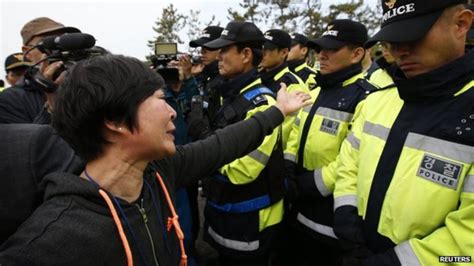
x=142, y=211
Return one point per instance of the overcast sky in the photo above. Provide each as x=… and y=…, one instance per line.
x=121, y=26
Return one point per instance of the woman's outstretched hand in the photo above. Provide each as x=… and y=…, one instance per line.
x=291, y=102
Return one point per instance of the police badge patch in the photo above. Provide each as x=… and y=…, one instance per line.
x=440, y=171
x=259, y=99
x=330, y=126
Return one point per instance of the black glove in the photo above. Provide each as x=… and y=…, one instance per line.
x=349, y=261
x=291, y=182
x=348, y=228
x=307, y=188
x=355, y=257
x=300, y=185
x=388, y=258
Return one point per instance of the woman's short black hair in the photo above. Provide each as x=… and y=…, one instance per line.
x=103, y=88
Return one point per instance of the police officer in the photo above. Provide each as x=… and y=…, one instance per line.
x=405, y=192
x=209, y=79
x=203, y=111
x=244, y=199
x=27, y=101
x=15, y=68
x=316, y=137
x=382, y=77
x=297, y=58
x=275, y=70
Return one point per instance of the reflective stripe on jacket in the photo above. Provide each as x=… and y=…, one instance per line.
x=381, y=78
x=319, y=144
x=426, y=206
x=293, y=83
x=307, y=74
x=241, y=226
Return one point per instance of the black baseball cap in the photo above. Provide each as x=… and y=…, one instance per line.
x=340, y=32
x=275, y=38
x=14, y=61
x=297, y=38
x=237, y=32
x=409, y=20
x=208, y=34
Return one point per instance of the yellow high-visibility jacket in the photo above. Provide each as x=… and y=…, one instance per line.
x=225, y=219
x=408, y=168
x=314, y=144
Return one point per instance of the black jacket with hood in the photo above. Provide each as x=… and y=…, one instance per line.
x=74, y=226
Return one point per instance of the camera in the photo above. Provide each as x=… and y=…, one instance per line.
x=69, y=58
x=196, y=59
x=165, y=52
x=68, y=48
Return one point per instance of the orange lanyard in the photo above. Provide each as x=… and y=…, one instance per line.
x=172, y=222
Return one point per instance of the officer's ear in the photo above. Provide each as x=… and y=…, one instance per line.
x=463, y=19
x=357, y=55
x=304, y=50
x=284, y=52
x=247, y=55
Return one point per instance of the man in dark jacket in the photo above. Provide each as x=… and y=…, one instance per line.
x=27, y=101
x=29, y=152
x=119, y=211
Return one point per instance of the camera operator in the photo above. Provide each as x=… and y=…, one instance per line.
x=27, y=102
x=180, y=88
x=209, y=81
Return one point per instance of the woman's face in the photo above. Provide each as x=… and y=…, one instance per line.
x=154, y=137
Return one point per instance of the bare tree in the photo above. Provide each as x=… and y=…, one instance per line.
x=311, y=18
x=194, y=24
x=168, y=26
x=286, y=14
x=356, y=10
x=304, y=16
x=251, y=12
x=212, y=22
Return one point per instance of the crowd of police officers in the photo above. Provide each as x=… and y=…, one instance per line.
x=378, y=170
